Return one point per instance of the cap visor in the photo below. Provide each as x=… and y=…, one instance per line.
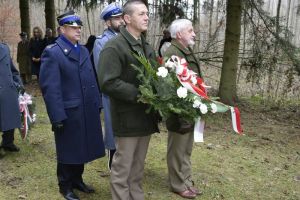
x=73, y=25
x=116, y=15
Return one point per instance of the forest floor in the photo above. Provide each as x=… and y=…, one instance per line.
x=264, y=163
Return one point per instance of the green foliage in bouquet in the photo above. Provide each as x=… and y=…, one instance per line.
x=161, y=93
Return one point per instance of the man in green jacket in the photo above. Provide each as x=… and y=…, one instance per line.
x=132, y=126
x=180, y=141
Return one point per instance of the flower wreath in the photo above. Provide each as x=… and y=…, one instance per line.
x=174, y=88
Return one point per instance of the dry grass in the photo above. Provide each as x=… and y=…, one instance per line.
x=262, y=164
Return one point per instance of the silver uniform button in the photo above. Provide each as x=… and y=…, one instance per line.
x=66, y=50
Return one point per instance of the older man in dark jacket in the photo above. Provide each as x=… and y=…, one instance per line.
x=73, y=102
x=10, y=84
x=132, y=126
x=181, y=138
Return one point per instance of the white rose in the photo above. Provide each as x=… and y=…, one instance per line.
x=203, y=108
x=214, y=108
x=170, y=64
x=182, y=92
x=197, y=103
x=162, y=71
x=179, y=69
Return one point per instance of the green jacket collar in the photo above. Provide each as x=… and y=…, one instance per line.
x=186, y=51
x=136, y=45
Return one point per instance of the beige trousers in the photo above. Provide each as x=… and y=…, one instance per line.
x=179, y=152
x=128, y=168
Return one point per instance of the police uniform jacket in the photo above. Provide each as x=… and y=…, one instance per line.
x=69, y=88
x=100, y=42
x=117, y=78
x=10, y=117
x=98, y=46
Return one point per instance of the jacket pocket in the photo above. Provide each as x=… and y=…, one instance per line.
x=72, y=103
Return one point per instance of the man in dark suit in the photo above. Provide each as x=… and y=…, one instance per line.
x=10, y=84
x=73, y=102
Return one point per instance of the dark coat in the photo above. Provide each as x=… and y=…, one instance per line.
x=117, y=78
x=177, y=49
x=174, y=122
x=69, y=88
x=23, y=57
x=10, y=117
x=36, y=47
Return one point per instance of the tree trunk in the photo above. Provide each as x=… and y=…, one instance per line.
x=227, y=89
x=50, y=15
x=210, y=18
x=288, y=16
x=195, y=13
x=274, y=60
x=85, y=3
x=24, y=15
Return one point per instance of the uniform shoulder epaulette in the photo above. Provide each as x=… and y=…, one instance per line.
x=99, y=36
x=51, y=45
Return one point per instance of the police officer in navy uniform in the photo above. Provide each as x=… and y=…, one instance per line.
x=112, y=15
x=10, y=84
x=73, y=103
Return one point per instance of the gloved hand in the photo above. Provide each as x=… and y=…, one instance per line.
x=21, y=89
x=58, y=127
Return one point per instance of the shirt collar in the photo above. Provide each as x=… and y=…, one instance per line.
x=70, y=44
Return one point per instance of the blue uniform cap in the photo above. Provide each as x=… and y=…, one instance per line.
x=69, y=18
x=112, y=10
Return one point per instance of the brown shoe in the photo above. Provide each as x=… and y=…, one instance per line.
x=195, y=190
x=188, y=194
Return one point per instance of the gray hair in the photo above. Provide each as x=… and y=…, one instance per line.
x=178, y=25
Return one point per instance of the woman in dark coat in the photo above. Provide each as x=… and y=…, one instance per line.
x=36, y=47
x=10, y=83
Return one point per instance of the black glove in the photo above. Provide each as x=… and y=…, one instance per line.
x=58, y=127
x=21, y=89
x=179, y=125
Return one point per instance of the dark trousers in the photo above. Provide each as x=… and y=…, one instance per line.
x=8, y=137
x=69, y=174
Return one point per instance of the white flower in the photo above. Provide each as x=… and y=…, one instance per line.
x=181, y=92
x=213, y=108
x=179, y=69
x=162, y=71
x=182, y=61
x=203, y=108
x=197, y=103
x=170, y=64
x=194, y=80
x=33, y=117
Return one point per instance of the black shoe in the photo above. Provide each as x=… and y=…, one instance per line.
x=11, y=147
x=83, y=187
x=69, y=194
x=111, y=154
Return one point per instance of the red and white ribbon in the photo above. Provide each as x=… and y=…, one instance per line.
x=24, y=101
x=236, y=120
x=199, y=130
x=196, y=85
